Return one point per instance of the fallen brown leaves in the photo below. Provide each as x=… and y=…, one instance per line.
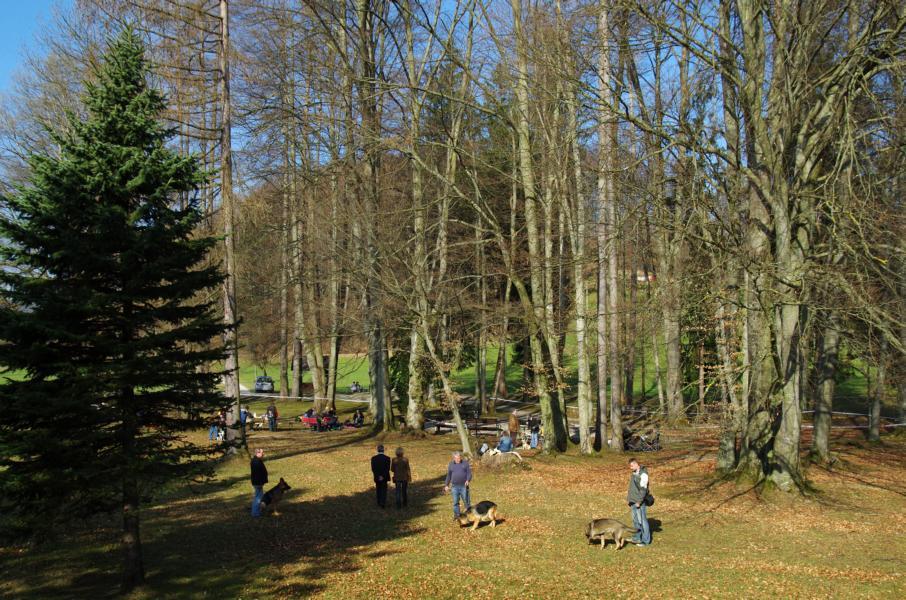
x=710, y=539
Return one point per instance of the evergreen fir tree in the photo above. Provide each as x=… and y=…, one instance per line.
x=102, y=320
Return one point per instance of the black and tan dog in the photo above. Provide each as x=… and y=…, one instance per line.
x=273, y=496
x=480, y=513
x=609, y=529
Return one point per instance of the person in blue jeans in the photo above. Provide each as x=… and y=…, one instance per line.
x=272, y=417
x=459, y=475
x=244, y=414
x=638, y=489
x=259, y=479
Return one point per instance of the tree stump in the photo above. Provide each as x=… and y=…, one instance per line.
x=500, y=460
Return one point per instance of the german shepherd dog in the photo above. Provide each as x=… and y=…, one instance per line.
x=480, y=513
x=609, y=529
x=273, y=496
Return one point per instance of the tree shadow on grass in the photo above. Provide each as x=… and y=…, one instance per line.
x=212, y=546
x=277, y=447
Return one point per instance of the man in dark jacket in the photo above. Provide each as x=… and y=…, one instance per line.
x=638, y=490
x=380, y=468
x=259, y=479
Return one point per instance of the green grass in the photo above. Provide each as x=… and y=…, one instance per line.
x=851, y=393
x=351, y=368
x=330, y=541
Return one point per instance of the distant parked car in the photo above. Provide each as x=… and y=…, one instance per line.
x=264, y=384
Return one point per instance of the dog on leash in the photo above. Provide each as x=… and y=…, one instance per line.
x=480, y=513
x=609, y=529
x=273, y=497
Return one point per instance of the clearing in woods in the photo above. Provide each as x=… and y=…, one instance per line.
x=331, y=541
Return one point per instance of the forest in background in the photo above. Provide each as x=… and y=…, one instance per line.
x=716, y=185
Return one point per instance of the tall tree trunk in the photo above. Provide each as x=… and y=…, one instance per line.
x=481, y=363
x=828, y=351
x=655, y=347
x=631, y=327
x=230, y=312
x=730, y=431
x=901, y=379
x=370, y=123
x=555, y=438
x=285, y=264
x=877, y=394
x=333, y=296
x=602, y=232
x=133, y=563
x=701, y=379
x=284, y=293
x=789, y=322
x=500, y=387
x=583, y=385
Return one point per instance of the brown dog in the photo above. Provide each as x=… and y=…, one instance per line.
x=609, y=529
x=273, y=496
x=481, y=512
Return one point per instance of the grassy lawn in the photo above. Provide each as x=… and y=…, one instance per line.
x=330, y=540
x=850, y=393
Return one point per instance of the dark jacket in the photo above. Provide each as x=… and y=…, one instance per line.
x=380, y=467
x=637, y=493
x=400, y=468
x=458, y=474
x=259, y=472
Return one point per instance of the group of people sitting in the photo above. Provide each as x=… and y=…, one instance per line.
x=505, y=444
x=356, y=387
x=329, y=420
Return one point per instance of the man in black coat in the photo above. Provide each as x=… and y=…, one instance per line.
x=259, y=478
x=380, y=467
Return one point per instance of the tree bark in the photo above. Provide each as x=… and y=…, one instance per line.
x=552, y=420
x=230, y=311
x=370, y=124
x=878, y=393
x=133, y=563
x=828, y=350
x=578, y=241
x=606, y=231
x=500, y=387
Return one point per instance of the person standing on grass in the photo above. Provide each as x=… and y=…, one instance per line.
x=272, y=417
x=380, y=468
x=513, y=426
x=459, y=476
x=259, y=479
x=215, y=428
x=638, y=490
x=243, y=419
x=402, y=475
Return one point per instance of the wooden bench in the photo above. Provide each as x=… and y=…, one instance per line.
x=484, y=425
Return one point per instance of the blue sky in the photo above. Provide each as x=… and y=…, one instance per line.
x=20, y=20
